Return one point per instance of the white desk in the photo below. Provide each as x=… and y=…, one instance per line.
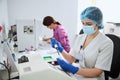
x=37, y=68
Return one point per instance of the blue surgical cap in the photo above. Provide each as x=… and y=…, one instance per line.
x=94, y=14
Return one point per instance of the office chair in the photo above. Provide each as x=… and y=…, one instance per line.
x=115, y=66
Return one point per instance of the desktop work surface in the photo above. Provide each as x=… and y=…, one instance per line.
x=37, y=67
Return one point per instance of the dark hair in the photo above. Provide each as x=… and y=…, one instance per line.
x=49, y=20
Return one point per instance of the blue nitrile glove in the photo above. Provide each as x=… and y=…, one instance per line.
x=67, y=66
x=55, y=42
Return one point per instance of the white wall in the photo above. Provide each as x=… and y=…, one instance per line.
x=110, y=9
x=64, y=11
x=3, y=13
x=67, y=12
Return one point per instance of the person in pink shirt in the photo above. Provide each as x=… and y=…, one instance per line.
x=59, y=33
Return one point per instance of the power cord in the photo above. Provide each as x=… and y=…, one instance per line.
x=7, y=70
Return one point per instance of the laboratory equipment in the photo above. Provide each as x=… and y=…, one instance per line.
x=112, y=28
x=26, y=34
x=38, y=68
x=11, y=60
x=23, y=59
x=10, y=56
x=3, y=36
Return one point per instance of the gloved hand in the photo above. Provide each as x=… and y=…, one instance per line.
x=55, y=42
x=67, y=66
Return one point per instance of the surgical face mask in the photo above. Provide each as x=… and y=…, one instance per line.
x=88, y=30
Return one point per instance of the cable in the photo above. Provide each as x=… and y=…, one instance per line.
x=7, y=70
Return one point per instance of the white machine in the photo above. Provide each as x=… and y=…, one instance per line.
x=10, y=56
x=37, y=68
x=9, y=62
x=26, y=34
x=112, y=28
x=3, y=36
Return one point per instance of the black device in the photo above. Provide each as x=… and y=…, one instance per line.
x=23, y=59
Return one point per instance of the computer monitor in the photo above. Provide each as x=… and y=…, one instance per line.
x=9, y=54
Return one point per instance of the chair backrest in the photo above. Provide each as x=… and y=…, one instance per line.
x=115, y=66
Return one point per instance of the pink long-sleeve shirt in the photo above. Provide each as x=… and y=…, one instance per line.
x=61, y=35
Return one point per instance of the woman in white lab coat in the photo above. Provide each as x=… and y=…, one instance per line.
x=93, y=49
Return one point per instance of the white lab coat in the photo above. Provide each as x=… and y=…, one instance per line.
x=98, y=53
